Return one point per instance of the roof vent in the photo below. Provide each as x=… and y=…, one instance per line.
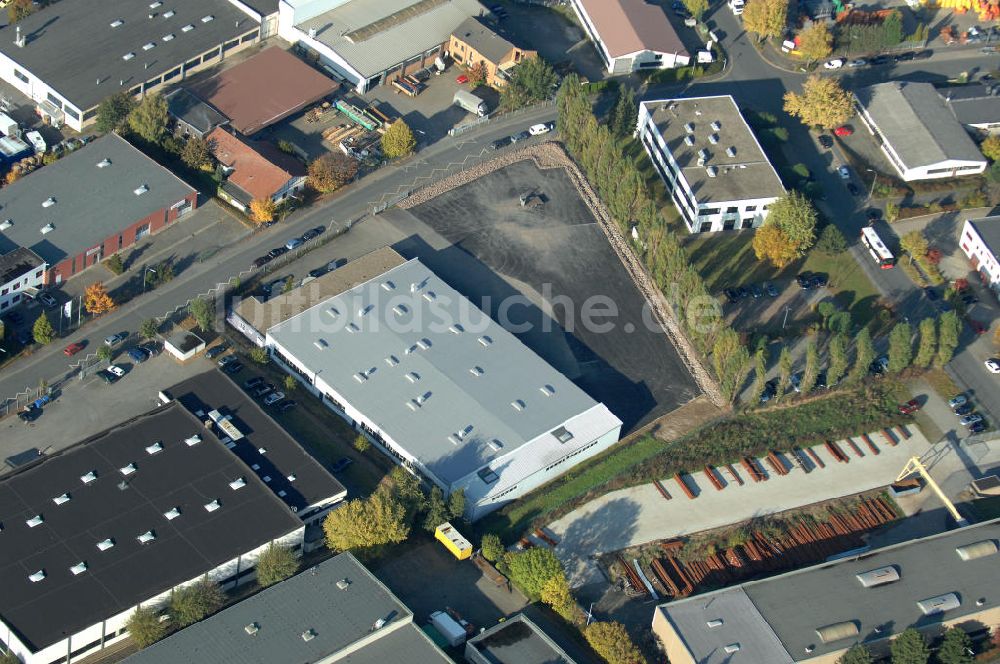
x=712, y=171
x=518, y=404
x=146, y=537
x=878, y=577
x=59, y=500
x=187, y=28
x=392, y=360
x=141, y=189
x=89, y=477
x=36, y=520
x=169, y=13
x=689, y=128
x=128, y=56
x=333, y=312
x=547, y=390
x=37, y=576
x=104, y=163
x=712, y=624
x=192, y=440
x=212, y=506
x=172, y=513
x=104, y=545
x=977, y=549
x=252, y=628
x=732, y=647
x=154, y=5
x=46, y=229
x=837, y=631
x=413, y=376
x=309, y=634
x=5, y=224
x=423, y=397
x=207, y=19
x=169, y=37
x=262, y=450
x=476, y=371
x=321, y=344
x=363, y=311
x=238, y=483
x=154, y=448
x=424, y=343
x=716, y=125
x=149, y=46
x=495, y=445
x=352, y=328
x=388, y=285
x=713, y=138
x=343, y=584
x=730, y=152
x=689, y=140
x=128, y=470
x=291, y=478
x=939, y=604
x=117, y=23
x=485, y=341
x=430, y=296
x=456, y=329
x=400, y=309
x=78, y=568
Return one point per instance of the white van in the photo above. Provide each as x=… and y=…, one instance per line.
x=736, y=6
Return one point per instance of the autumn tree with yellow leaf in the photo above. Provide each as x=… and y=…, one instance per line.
x=823, y=102
x=765, y=18
x=815, y=42
x=788, y=231
x=262, y=210
x=96, y=299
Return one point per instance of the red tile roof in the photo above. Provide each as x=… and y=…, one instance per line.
x=628, y=26
x=259, y=169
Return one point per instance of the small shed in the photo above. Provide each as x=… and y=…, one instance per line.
x=184, y=345
x=453, y=540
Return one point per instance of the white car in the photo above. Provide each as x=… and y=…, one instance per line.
x=844, y=173
x=833, y=64
x=273, y=398
x=993, y=365
x=539, y=129
x=116, y=370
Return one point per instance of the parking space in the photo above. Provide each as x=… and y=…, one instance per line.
x=772, y=305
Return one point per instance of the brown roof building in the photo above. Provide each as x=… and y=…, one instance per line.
x=265, y=89
x=254, y=170
x=473, y=43
x=631, y=35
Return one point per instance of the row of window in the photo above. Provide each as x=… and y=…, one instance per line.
x=570, y=456
x=17, y=284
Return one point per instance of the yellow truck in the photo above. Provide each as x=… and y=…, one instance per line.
x=453, y=540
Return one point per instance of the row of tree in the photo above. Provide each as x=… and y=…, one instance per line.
x=910, y=647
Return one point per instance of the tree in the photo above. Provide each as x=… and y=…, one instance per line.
x=405, y=488
x=196, y=152
x=361, y=443
x=531, y=569
x=262, y=210
x=18, y=10
x=437, y=510
x=366, y=525
x=192, y=603
x=398, y=140
x=290, y=384
x=456, y=504
x=839, y=322
x=113, y=112
x=624, y=116
x=955, y=647
x=891, y=212
x=759, y=377
x=492, y=547
x=991, y=147
x=532, y=80
x=149, y=118
x=115, y=263
x=812, y=367
x=277, y=563
x=864, y=353
x=770, y=243
x=144, y=626
x=731, y=361
x=259, y=355
x=784, y=371
x=696, y=7
x=96, y=299
x=823, y=102
x=795, y=217
x=42, y=330
x=900, y=347
x=927, y=346
x=915, y=244
x=557, y=594
x=949, y=328
x=815, y=42
x=611, y=641
x=831, y=241
x=765, y=18
x=858, y=654
x=331, y=172
x=10, y=658
x=201, y=311
x=477, y=74
x=105, y=353
x=910, y=648
x=149, y=328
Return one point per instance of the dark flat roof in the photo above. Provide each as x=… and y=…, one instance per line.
x=989, y=230
x=71, y=44
x=339, y=617
x=15, y=263
x=264, y=89
x=91, y=203
x=186, y=107
x=184, y=476
x=518, y=641
x=284, y=456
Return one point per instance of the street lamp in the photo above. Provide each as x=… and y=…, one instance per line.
x=146, y=270
x=871, y=192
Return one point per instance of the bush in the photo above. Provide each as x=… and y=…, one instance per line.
x=492, y=548
x=612, y=642
x=361, y=443
x=259, y=355
x=531, y=569
x=144, y=627
x=115, y=263
x=192, y=603
x=276, y=564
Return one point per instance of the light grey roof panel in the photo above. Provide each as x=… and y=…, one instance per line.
x=974, y=103
x=989, y=230
x=395, y=44
x=914, y=120
x=483, y=39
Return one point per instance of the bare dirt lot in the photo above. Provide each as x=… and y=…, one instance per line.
x=538, y=271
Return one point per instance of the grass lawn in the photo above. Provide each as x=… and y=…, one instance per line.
x=942, y=383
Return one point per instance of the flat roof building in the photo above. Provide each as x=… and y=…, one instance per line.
x=816, y=614
x=71, y=55
x=475, y=43
x=976, y=105
x=433, y=380
x=631, y=35
x=22, y=273
x=710, y=161
x=335, y=611
x=370, y=42
x=980, y=242
x=120, y=520
x=917, y=132
x=515, y=641
x=89, y=205
x=193, y=117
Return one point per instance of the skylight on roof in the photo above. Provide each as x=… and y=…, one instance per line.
x=36, y=520
x=207, y=19
x=172, y=513
x=155, y=4
x=117, y=23
x=128, y=470
x=154, y=448
x=37, y=576
x=141, y=189
x=212, y=506
x=146, y=537
x=169, y=37
x=60, y=499
x=128, y=56
x=238, y=483
x=187, y=28
x=104, y=545
x=192, y=440
x=89, y=477
x=169, y=13
x=149, y=46
x=78, y=568
x=104, y=163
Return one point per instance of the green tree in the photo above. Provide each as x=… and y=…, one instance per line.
x=290, y=384
x=149, y=118
x=831, y=241
x=9, y=658
x=784, y=370
x=19, y=10
x=532, y=80
x=398, y=140
x=612, y=642
x=366, y=525
x=759, y=377
x=766, y=18
x=105, y=353
x=812, y=367
x=361, y=443
x=557, y=594
x=794, y=215
x=891, y=211
x=837, y=352
x=949, y=328
x=990, y=147
x=731, y=361
x=192, y=603
x=405, y=488
x=259, y=355
x=910, y=648
x=277, y=563
x=456, y=504
x=42, y=330
x=839, y=322
x=823, y=102
x=864, y=354
x=955, y=647
x=815, y=42
x=113, y=112
x=149, y=328
x=696, y=7
x=492, y=548
x=626, y=112
x=196, y=152
x=857, y=654
x=437, y=510
x=202, y=312
x=927, y=347
x=900, y=347
x=915, y=244
x=115, y=263
x=144, y=626
x=532, y=568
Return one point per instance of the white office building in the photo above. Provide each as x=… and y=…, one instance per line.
x=980, y=242
x=22, y=274
x=710, y=161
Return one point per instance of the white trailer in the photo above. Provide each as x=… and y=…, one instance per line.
x=449, y=628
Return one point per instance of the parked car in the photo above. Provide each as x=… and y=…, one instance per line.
x=971, y=418
x=115, y=339
x=964, y=409
x=277, y=251
x=72, y=349
x=905, y=56
x=756, y=291
x=795, y=380
x=137, y=355
x=462, y=79
x=825, y=141
x=880, y=60
x=969, y=299
x=958, y=400
x=742, y=292
x=261, y=261
x=293, y=243
x=804, y=280
x=233, y=367
x=771, y=289
x=216, y=351
x=253, y=382
x=520, y=136
x=909, y=407
x=341, y=464
x=286, y=406
x=819, y=281
x=227, y=359
x=860, y=62
x=500, y=143
x=770, y=391
x=539, y=129
x=29, y=414
x=879, y=366
x=273, y=398
x=977, y=327
x=313, y=232
x=873, y=215
x=852, y=189
x=820, y=381
x=264, y=389
x=47, y=300
x=844, y=130
x=844, y=173
x=836, y=63
x=923, y=55
x=993, y=365
x=730, y=294
x=978, y=427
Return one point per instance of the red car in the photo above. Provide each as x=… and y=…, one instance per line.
x=462, y=79
x=843, y=131
x=72, y=349
x=909, y=407
x=977, y=327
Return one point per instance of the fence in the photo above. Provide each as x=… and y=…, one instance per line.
x=455, y=131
